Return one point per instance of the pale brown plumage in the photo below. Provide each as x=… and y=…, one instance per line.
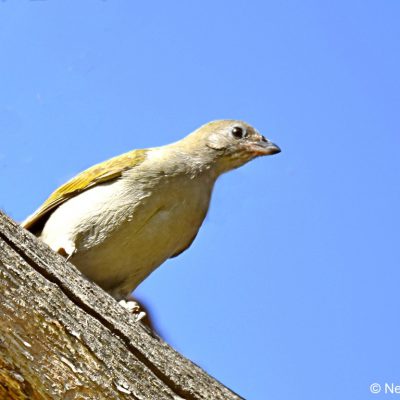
x=120, y=219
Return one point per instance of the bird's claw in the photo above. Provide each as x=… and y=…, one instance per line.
x=134, y=308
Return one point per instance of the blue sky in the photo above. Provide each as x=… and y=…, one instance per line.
x=291, y=290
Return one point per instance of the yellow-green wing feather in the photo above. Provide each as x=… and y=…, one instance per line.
x=99, y=173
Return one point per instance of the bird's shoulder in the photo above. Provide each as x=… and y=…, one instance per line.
x=99, y=173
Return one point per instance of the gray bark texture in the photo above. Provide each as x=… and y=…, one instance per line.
x=63, y=337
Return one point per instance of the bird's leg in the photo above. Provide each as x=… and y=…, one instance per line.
x=67, y=252
x=70, y=255
x=133, y=307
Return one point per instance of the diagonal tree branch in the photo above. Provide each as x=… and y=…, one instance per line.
x=62, y=337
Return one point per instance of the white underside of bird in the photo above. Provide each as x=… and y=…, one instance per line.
x=117, y=233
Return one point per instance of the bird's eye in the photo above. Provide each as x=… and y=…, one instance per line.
x=239, y=132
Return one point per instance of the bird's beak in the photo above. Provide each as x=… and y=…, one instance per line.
x=263, y=147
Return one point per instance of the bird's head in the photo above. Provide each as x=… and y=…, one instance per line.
x=231, y=143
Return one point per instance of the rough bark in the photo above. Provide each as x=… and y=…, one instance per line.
x=62, y=337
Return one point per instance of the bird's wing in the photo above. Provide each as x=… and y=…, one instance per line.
x=99, y=173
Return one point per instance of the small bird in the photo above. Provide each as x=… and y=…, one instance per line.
x=119, y=220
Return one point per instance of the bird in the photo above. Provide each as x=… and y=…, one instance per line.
x=120, y=219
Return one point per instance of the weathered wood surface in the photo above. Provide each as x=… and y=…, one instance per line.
x=62, y=337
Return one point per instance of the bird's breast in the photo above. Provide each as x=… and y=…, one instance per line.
x=122, y=232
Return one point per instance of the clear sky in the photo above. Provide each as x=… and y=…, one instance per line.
x=291, y=290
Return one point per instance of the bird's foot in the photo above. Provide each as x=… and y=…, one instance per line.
x=134, y=308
